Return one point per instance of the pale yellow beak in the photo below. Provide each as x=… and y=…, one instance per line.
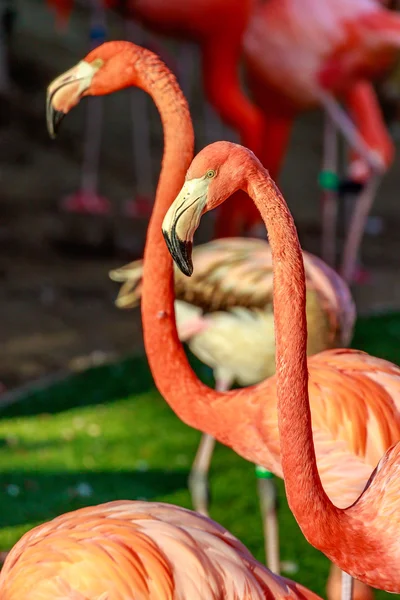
x=65, y=92
x=182, y=220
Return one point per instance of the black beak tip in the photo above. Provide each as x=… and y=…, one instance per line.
x=181, y=252
x=186, y=266
x=54, y=119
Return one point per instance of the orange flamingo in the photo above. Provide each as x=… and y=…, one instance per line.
x=364, y=391
x=147, y=550
x=361, y=539
x=225, y=314
x=300, y=54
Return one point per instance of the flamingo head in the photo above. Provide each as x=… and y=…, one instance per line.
x=106, y=69
x=66, y=91
x=217, y=172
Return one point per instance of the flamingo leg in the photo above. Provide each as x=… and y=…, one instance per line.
x=328, y=181
x=347, y=586
x=367, y=116
x=349, y=131
x=87, y=200
x=376, y=164
x=357, y=227
x=268, y=502
x=198, y=478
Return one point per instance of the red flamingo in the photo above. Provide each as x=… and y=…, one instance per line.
x=300, y=54
x=141, y=550
x=364, y=389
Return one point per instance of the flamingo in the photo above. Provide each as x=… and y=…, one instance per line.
x=354, y=396
x=225, y=315
x=360, y=537
x=301, y=54
x=147, y=550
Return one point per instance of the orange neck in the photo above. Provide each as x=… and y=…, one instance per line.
x=294, y=417
x=171, y=371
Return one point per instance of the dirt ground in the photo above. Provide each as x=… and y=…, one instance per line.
x=56, y=303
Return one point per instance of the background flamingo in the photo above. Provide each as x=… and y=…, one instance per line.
x=225, y=315
x=355, y=377
x=361, y=539
x=348, y=43
x=152, y=551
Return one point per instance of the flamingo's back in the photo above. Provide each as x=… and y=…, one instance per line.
x=137, y=550
x=335, y=42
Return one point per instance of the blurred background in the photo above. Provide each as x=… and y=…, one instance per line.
x=64, y=442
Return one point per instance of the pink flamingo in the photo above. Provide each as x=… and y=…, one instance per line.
x=146, y=550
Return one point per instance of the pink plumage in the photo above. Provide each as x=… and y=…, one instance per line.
x=146, y=551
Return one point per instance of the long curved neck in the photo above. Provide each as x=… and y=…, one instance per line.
x=306, y=496
x=172, y=373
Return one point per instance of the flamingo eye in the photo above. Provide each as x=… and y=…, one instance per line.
x=97, y=63
x=210, y=174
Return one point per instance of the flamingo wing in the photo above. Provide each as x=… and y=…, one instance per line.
x=354, y=400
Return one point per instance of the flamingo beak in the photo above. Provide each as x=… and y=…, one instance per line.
x=65, y=92
x=182, y=220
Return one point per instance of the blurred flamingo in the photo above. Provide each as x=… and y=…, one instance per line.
x=300, y=54
x=225, y=315
x=147, y=550
x=355, y=393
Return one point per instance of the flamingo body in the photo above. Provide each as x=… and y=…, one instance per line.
x=225, y=310
x=141, y=550
x=337, y=43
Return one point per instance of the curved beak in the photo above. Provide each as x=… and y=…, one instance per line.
x=65, y=92
x=182, y=220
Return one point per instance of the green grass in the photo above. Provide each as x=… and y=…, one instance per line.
x=107, y=434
